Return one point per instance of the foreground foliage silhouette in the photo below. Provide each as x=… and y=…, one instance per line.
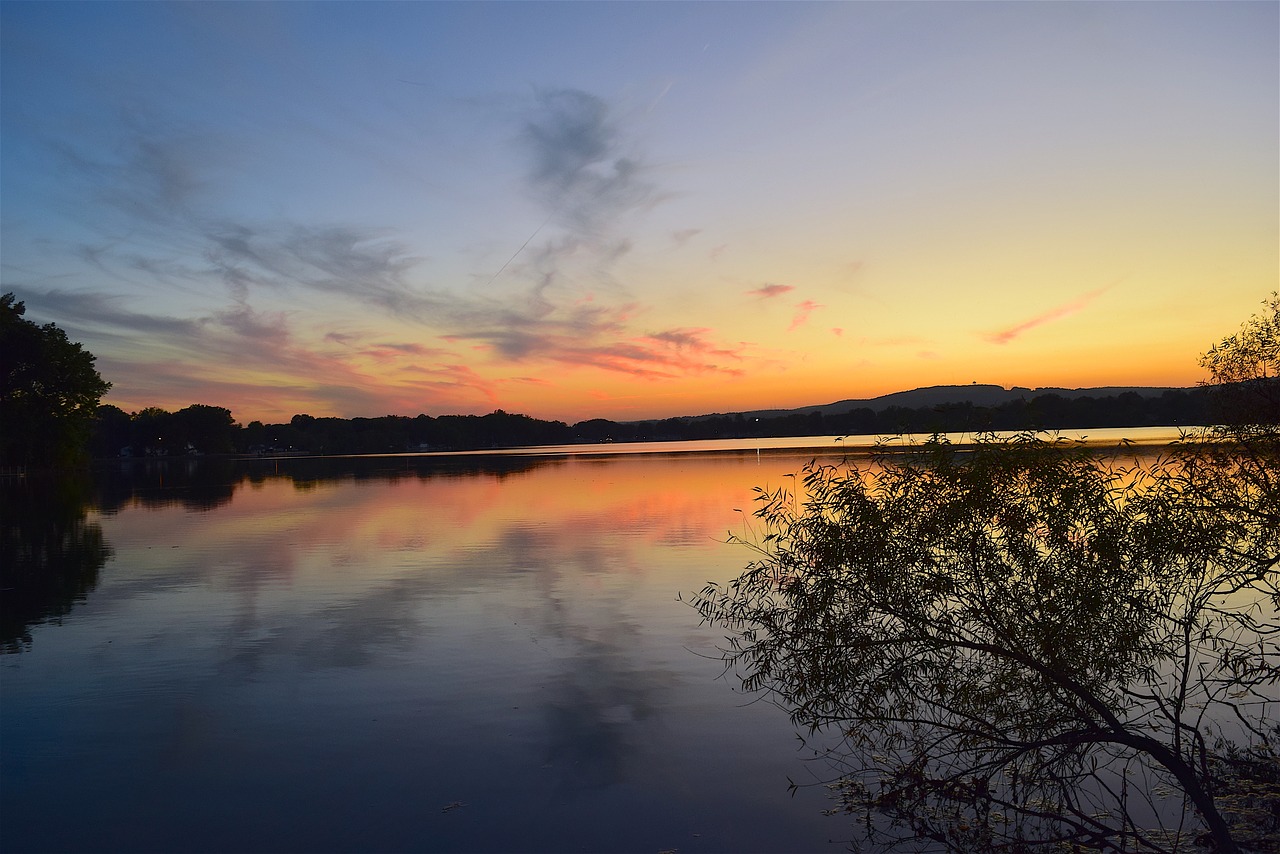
x=1023, y=644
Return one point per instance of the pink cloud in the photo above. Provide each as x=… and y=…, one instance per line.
x=454, y=382
x=660, y=355
x=837, y=331
x=803, y=310
x=1004, y=336
x=770, y=291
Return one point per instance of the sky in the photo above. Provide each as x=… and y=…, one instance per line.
x=635, y=210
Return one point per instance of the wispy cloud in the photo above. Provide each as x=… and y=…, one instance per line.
x=256, y=293
x=801, y=317
x=1004, y=336
x=443, y=383
x=357, y=263
x=155, y=173
x=579, y=168
x=770, y=291
x=700, y=342
x=410, y=348
x=238, y=351
x=86, y=309
x=598, y=337
x=587, y=181
x=384, y=353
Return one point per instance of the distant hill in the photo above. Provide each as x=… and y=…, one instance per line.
x=939, y=395
x=938, y=409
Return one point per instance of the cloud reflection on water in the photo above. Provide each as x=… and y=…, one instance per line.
x=499, y=632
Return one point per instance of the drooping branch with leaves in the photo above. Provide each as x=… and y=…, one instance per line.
x=1022, y=643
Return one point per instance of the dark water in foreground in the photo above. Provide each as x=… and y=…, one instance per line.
x=466, y=653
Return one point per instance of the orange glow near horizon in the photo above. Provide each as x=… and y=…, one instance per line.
x=854, y=368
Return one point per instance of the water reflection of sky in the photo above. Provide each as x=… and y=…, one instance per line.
x=327, y=663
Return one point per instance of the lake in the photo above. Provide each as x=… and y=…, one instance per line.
x=468, y=652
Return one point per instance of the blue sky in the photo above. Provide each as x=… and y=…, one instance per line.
x=634, y=210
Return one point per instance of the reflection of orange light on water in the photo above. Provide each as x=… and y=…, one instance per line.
x=349, y=533
x=611, y=526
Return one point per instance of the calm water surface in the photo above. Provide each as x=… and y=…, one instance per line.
x=465, y=653
x=400, y=654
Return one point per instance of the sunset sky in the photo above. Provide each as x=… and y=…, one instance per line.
x=635, y=210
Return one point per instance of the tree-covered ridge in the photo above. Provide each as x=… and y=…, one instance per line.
x=210, y=429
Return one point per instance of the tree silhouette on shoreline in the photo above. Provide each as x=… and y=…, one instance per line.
x=49, y=392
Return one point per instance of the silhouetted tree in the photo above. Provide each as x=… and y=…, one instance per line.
x=153, y=432
x=1015, y=646
x=205, y=429
x=1244, y=369
x=112, y=432
x=49, y=391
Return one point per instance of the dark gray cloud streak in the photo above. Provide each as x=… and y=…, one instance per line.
x=579, y=170
x=83, y=309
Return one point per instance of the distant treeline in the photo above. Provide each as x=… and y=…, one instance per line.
x=1044, y=412
x=200, y=429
